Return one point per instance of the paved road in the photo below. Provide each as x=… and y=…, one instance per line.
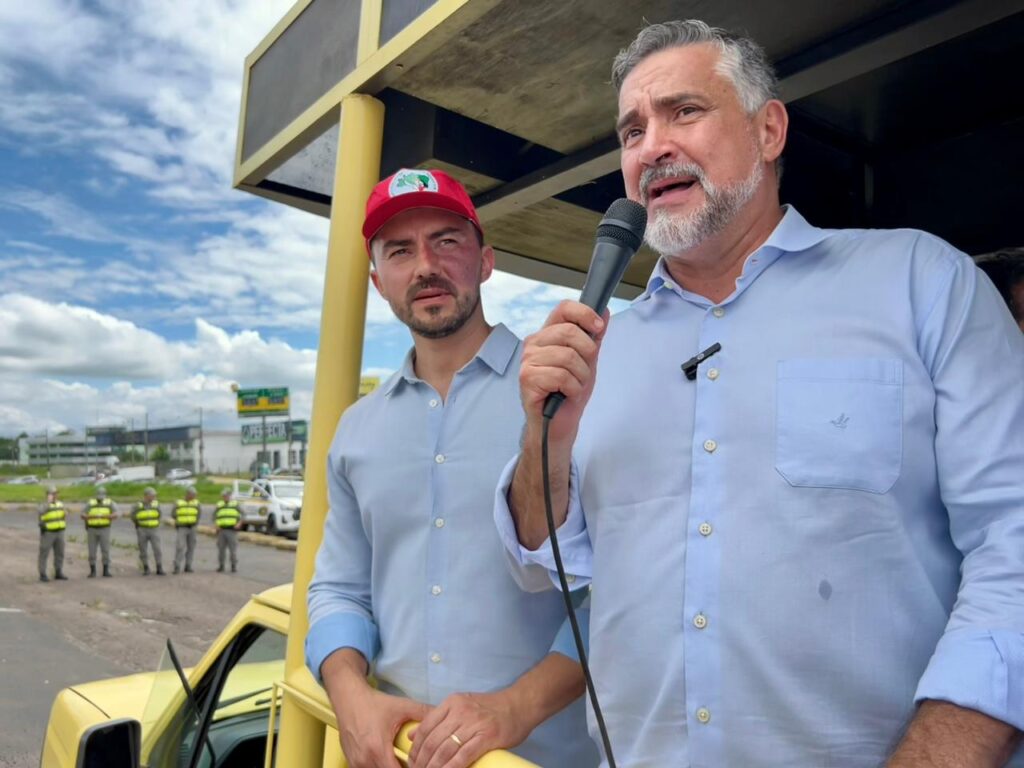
x=59, y=633
x=35, y=663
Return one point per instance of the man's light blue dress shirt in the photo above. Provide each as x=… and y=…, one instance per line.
x=823, y=527
x=411, y=572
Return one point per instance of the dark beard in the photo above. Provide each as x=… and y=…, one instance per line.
x=465, y=306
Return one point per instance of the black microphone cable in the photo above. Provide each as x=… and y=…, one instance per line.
x=619, y=235
x=570, y=611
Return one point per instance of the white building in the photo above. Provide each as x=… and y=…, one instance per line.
x=63, y=450
x=189, y=446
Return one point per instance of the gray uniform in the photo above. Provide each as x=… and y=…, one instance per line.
x=185, y=533
x=227, y=538
x=184, y=547
x=148, y=536
x=227, y=542
x=49, y=539
x=99, y=537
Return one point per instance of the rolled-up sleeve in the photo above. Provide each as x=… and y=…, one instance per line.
x=976, y=356
x=340, y=608
x=534, y=570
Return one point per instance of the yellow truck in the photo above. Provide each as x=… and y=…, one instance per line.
x=222, y=713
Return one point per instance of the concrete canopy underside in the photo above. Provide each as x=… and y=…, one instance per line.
x=887, y=98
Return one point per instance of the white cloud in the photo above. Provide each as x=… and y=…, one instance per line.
x=66, y=340
x=66, y=365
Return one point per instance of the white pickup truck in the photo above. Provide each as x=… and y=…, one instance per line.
x=270, y=505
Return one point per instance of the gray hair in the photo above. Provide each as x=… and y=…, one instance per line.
x=741, y=60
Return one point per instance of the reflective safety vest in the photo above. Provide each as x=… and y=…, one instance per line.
x=186, y=513
x=147, y=516
x=227, y=515
x=53, y=518
x=99, y=513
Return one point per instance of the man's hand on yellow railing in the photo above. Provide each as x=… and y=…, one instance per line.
x=368, y=720
x=464, y=727
x=369, y=726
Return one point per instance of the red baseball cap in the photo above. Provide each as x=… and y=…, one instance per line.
x=411, y=188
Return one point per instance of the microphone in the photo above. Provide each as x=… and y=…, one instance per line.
x=619, y=236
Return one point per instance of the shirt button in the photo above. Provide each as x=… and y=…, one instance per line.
x=704, y=715
x=705, y=529
x=439, y=458
x=439, y=522
x=717, y=311
x=570, y=579
x=433, y=403
x=712, y=373
x=710, y=446
x=435, y=590
x=700, y=621
x=435, y=658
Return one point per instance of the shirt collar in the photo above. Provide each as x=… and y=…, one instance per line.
x=791, y=235
x=496, y=353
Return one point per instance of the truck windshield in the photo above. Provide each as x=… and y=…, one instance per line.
x=233, y=697
x=288, y=490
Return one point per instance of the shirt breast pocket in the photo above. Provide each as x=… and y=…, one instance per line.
x=839, y=423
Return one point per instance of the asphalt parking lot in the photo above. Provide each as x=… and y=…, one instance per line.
x=59, y=633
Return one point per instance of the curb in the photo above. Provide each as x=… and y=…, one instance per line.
x=252, y=537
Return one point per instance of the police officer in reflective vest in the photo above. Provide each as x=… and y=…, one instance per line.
x=146, y=517
x=98, y=515
x=52, y=521
x=228, y=520
x=186, y=515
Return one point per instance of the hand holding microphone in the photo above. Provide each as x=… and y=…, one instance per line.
x=559, y=365
x=560, y=360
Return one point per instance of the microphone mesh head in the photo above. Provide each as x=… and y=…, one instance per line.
x=625, y=222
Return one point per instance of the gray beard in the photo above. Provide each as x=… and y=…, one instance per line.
x=672, y=235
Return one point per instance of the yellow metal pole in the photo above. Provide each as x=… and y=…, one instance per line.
x=339, y=359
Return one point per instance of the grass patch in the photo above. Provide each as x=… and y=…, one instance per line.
x=122, y=493
x=17, y=470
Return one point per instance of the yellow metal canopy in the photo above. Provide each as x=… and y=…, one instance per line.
x=512, y=97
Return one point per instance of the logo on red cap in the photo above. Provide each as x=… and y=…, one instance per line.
x=414, y=188
x=406, y=181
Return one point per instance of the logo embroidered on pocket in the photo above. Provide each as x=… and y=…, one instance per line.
x=841, y=422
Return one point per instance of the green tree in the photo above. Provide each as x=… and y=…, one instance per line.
x=160, y=453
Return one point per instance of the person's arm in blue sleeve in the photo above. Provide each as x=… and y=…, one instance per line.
x=534, y=569
x=343, y=638
x=972, y=692
x=339, y=602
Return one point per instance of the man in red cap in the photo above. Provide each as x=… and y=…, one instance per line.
x=410, y=580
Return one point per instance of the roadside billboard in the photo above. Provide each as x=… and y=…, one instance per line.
x=367, y=384
x=277, y=432
x=263, y=402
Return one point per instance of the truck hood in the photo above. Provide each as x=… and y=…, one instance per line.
x=126, y=696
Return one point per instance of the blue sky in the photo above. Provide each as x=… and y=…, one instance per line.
x=133, y=278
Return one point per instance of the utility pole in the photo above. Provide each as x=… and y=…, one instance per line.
x=263, y=430
x=289, y=428
x=201, y=465
x=145, y=441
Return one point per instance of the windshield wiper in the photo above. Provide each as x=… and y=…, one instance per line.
x=243, y=697
x=189, y=694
